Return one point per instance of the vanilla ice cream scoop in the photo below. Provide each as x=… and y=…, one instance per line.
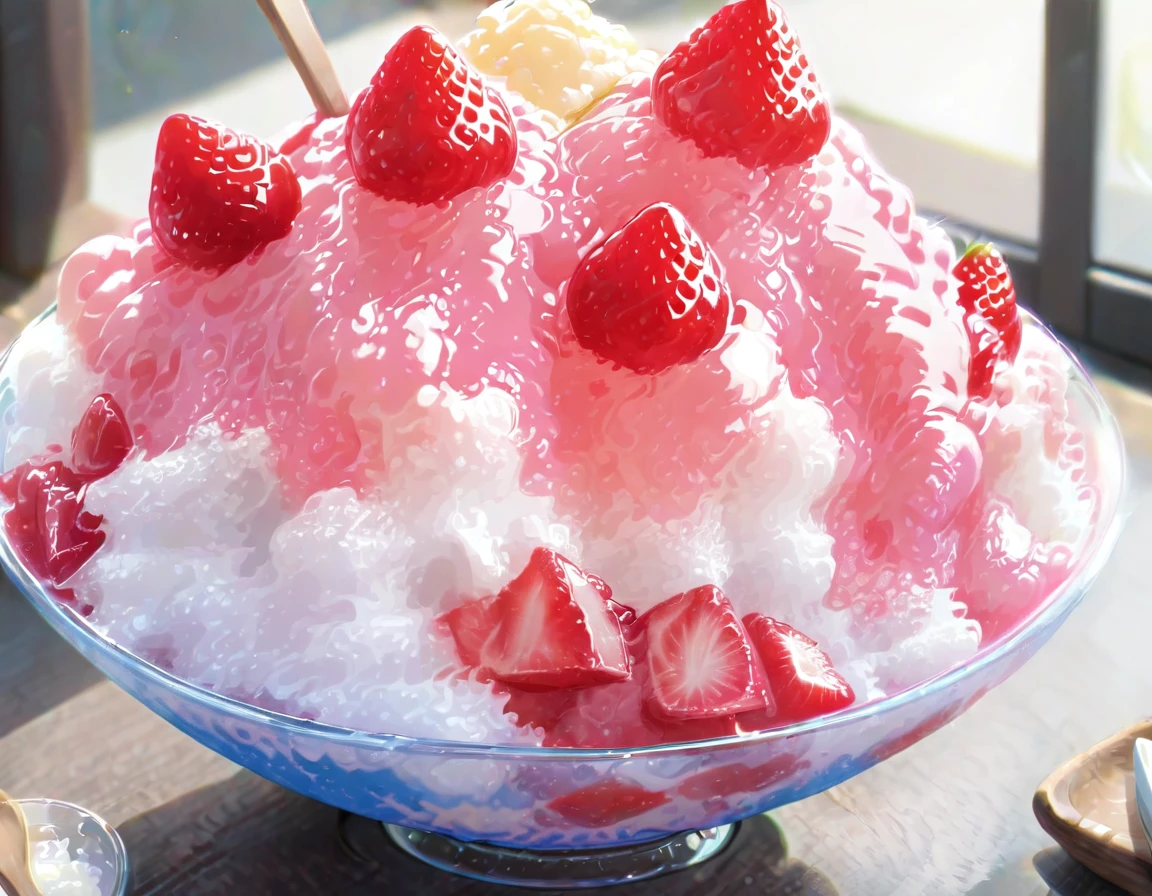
x=556, y=54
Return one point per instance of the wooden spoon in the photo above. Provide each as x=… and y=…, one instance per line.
x=293, y=24
x=15, y=856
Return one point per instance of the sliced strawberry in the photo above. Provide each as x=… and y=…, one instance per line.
x=545, y=708
x=102, y=440
x=988, y=298
x=651, y=295
x=740, y=86
x=626, y=615
x=606, y=803
x=802, y=677
x=428, y=128
x=47, y=524
x=617, y=715
x=701, y=662
x=218, y=195
x=554, y=628
x=470, y=625
x=740, y=778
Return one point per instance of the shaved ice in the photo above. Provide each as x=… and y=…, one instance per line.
x=360, y=445
x=58, y=873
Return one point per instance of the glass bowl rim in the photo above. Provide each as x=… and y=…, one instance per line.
x=1097, y=550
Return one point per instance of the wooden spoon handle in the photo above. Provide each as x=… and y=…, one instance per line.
x=294, y=27
x=15, y=869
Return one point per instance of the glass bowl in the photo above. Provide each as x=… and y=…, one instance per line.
x=567, y=817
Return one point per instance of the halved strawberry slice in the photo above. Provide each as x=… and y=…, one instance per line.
x=802, y=677
x=606, y=803
x=47, y=524
x=651, y=295
x=428, y=128
x=701, y=661
x=554, y=628
x=740, y=86
x=102, y=439
x=988, y=298
x=218, y=194
x=470, y=625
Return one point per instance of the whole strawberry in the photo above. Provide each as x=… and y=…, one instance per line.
x=102, y=440
x=428, y=128
x=740, y=86
x=988, y=298
x=218, y=195
x=651, y=295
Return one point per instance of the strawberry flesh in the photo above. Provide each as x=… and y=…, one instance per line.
x=218, y=195
x=740, y=86
x=554, y=628
x=47, y=525
x=619, y=715
x=470, y=625
x=803, y=679
x=702, y=664
x=606, y=803
x=988, y=297
x=428, y=128
x=102, y=439
x=651, y=295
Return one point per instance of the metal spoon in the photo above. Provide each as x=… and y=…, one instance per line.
x=15, y=856
x=293, y=24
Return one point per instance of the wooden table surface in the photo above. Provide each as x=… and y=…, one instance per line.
x=952, y=815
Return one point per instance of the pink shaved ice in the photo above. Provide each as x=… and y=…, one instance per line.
x=378, y=417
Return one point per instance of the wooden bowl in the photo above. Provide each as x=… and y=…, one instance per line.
x=1088, y=806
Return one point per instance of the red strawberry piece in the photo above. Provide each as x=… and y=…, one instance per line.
x=47, y=524
x=618, y=715
x=701, y=661
x=545, y=708
x=606, y=803
x=102, y=440
x=428, y=128
x=740, y=86
x=802, y=677
x=218, y=195
x=988, y=298
x=651, y=295
x=625, y=614
x=554, y=628
x=470, y=625
x=740, y=778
